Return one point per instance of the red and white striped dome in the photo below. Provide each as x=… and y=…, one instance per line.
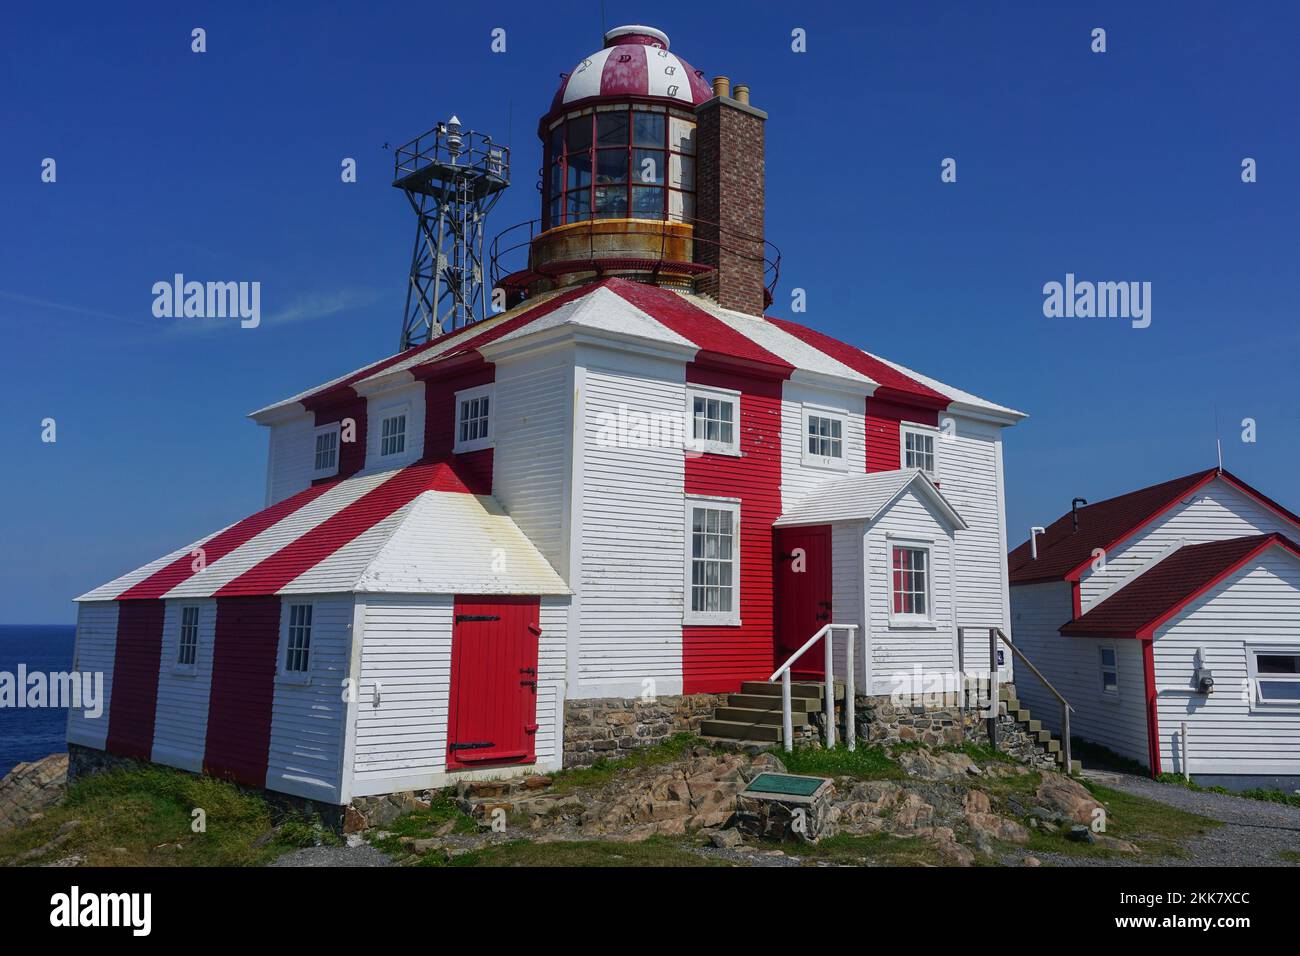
x=634, y=63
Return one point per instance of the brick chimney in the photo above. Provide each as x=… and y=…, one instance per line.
x=729, y=197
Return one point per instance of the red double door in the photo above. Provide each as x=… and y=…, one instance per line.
x=493, y=708
x=802, y=580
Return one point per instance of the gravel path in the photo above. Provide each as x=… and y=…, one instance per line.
x=353, y=854
x=1254, y=832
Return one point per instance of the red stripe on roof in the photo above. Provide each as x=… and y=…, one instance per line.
x=718, y=342
x=894, y=385
x=1151, y=599
x=219, y=545
x=335, y=532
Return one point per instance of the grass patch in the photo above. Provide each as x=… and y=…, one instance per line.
x=656, y=851
x=876, y=849
x=423, y=824
x=143, y=817
x=1291, y=856
x=981, y=753
x=1255, y=793
x=604, y=770
x=1156, y=828
x=865, y=763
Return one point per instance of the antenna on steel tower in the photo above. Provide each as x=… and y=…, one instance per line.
x=451, y=177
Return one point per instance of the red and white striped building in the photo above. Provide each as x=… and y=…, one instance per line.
x=587, y=496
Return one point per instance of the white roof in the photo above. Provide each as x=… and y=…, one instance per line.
x=865, y=498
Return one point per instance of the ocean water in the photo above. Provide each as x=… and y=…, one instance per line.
x=32, y=733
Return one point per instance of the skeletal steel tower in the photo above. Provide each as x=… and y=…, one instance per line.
x=451, y=177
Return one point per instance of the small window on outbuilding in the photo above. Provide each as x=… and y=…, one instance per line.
x=1109, y=670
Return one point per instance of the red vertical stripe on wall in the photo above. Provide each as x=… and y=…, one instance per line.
x=352, y=455
x=716, y=659
x=243, y=689
x=475, y=468
x=884, y=451
x=135, y=678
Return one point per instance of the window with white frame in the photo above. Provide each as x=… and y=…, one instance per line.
x=714, y=417
x=712, y=561
x=911, y=582
x=1109, y=670
x=1276, y=675
x=326, y=461
x=187, y=648
x=918, y=448
x=823, y=438
x=297, y=645
x=392, y=433
x=473, y=419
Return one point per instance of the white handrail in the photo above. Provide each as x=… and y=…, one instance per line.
x=787, y=719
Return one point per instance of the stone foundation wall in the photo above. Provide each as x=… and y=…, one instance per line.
x=87, y=761
x=610, y=726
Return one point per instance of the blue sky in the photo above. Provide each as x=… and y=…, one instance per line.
x=225, y=166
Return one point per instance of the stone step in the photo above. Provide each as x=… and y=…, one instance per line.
x=1022, y=716
x=1041, y=736
x=798, y=705
x=762, y=688
x=749, y=715
x=742, y=731
x=1052, y=746
x=1034, y=726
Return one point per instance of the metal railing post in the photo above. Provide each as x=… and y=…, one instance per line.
x=850, y=692
x=787, y=720
x=1065, y=737
x=830, y=688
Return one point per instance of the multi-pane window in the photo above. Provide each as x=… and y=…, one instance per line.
x=911, y=581
x=825, y=436
x=474, y=418
x=713, y=572
x=297, y=648
x=327, y=450
x=187, y=652
x=1109, y=670
x=392, y=435
x=713, y=421
x=620, y=163
x=1277, y=676
x=918, y=450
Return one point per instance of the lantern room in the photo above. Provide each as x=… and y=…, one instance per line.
x=634, y=174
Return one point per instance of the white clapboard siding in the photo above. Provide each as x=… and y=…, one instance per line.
x=403, y=693
x=970, y=476
x=534, y=427
x=408, y=397
x=291, y=457
x=1259, y=605
x=632, y=529
x=181, y=720
x=848, y=597
x=307, y=720
x=1073, y=665
x=1215, y=512
x=94, y=655
x=796, y=477
x=897, y=650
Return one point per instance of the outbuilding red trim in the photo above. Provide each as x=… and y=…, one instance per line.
x=1153, y=711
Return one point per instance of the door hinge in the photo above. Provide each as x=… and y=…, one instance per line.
x=528, y=670
x=529, y=683
x=477, y=745
x=461, y=618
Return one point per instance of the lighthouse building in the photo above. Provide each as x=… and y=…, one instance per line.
x=607, y=513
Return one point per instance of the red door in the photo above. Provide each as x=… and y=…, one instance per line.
x=493, y=708
x=802, y=580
